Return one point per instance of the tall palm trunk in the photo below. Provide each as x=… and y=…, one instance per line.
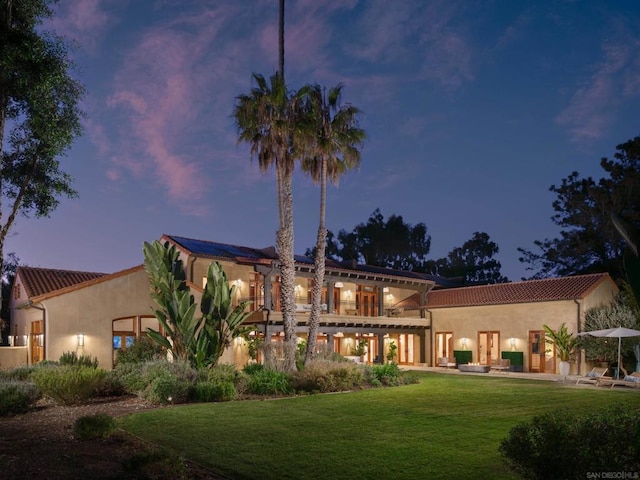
x=287, y=271
x=318, y=276
x=284, y=240
x=281, y=41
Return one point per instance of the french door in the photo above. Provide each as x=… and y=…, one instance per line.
x=541, y=353
x=488, y=346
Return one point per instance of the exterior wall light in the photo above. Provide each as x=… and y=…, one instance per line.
x=81, y=339
x=513, y=342
x=464, y=343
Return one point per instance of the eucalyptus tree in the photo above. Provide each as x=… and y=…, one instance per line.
x=332, y=148
x=39, y=113
x=270, y=120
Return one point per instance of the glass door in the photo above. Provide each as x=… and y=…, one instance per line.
x=541, y=355
x=405, y=349
x=444, y=344
x=488, y=347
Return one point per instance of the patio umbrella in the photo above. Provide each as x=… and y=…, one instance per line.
x=618, y=333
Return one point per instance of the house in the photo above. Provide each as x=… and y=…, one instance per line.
x=57, y=311
x=99, y=314
x=506, y=320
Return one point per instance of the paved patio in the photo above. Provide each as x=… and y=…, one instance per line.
x=549, y=377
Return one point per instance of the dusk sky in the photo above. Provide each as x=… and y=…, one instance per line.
x=472, y=111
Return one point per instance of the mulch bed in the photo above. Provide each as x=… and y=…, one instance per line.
x=40, y=444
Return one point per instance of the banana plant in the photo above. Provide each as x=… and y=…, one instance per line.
x=176, y=305
x=222, y=322
x=200, y=340
x=566, y=344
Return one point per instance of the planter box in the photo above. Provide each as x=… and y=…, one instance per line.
x=517, y=360
x=463, y=356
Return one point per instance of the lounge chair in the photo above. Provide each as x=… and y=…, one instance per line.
x=627, y=380
x=447, y=362
x=594, y=376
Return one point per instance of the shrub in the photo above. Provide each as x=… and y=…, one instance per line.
x=155, y=464
x=224, y=372
x=111, y=386
x=167, y=390
x=388, y=374
x=142, y=350
x=566, y=445
x=214, y=392
x=19, y=374
x=157, y=380
x=68, y=385
x=130, y=376
x=269, y=382
x=327, y=376
x=252, y=368
x=409, y=378
x=88, y=427
x=70, y=358
x=17, y=397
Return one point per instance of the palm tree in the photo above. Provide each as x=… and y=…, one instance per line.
x=268, y=119
x=330, y=150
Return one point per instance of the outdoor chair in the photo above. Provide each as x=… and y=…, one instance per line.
x=627, y=380
x=500, y=364
x=447, y=362
x=594, y=376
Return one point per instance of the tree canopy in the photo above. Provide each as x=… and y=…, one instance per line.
x=473, y=262
x=622, y=312
x=39, y=113
x=588, y=241
x=391, y=243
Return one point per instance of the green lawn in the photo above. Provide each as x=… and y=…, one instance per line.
x=446, y=427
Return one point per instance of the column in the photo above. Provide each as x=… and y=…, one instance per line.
x=330, y=341
x=381, y=301
x=330, y=306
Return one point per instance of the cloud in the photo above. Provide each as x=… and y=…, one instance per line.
x=82, y=21
x=593, y=105
x=424, y=40
x=164, y=89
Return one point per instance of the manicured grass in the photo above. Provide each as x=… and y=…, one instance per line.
x=448, y=426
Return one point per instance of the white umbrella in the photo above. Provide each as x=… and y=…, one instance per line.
x=618, y=332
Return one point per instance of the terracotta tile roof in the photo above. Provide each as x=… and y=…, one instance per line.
x=546, y=290
x=38, y=281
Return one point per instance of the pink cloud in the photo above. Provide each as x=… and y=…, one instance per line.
x=83, y=21
x=591, y=109
x=163, y=89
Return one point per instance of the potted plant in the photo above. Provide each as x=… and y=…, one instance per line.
x=565, y=344
x=360, y=349
x=392, y=351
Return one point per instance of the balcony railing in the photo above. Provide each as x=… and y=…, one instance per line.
x=346, y=308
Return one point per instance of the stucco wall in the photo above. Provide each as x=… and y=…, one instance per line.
x=11, y=357
x=90, y=311
x=516, y=320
